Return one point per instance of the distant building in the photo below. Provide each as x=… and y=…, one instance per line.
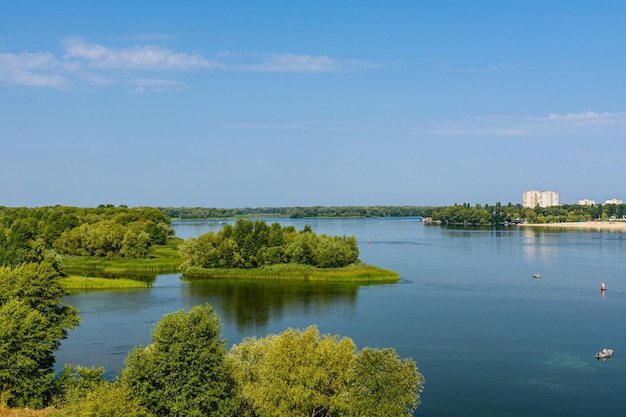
x=586, y=202
x=533, y=199
x=613, y=201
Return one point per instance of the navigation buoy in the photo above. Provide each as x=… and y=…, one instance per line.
x=602, y=287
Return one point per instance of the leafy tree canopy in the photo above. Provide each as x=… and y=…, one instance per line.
x=184, y=371
x=250, y=244
x=303, y=373
x=33, y=321
x=29, y=234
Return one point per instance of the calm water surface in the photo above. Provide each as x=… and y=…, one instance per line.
x=489, y=339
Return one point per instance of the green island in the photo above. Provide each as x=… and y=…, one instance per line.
x=247, y=250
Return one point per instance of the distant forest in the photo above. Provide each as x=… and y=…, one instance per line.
x=458, y=214
x=493, y=215
x=189, y=213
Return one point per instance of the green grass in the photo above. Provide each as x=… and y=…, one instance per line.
x=162, y=259
x=74, y=282
x=352, y=273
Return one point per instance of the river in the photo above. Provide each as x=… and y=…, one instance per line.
x=490, y=339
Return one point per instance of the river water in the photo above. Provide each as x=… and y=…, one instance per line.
x=490, y=339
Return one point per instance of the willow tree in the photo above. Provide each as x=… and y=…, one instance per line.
x=305, y=374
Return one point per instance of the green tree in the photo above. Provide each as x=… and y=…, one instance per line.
x=382, y=384
x=305, y=374
x=253, y=244
x=33, y=321
x=296, y=373
x=184, y=371
x=85, y=394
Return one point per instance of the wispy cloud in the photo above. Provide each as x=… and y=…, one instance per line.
x=143, y=57
x=553, y=124
x=96, y=64
x=40, y=69
x=586, y=118
x=143, y=85
x=273, y=62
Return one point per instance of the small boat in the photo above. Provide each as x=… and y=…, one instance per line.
x=537, y=276
x=605, y=354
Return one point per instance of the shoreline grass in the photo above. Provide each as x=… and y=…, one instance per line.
x=351, y=273
x=163, y=259
x=75, y=282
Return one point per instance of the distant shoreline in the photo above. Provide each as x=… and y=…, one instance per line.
x=590, y=225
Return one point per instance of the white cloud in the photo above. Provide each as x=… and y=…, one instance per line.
x=272, y=62
x=34, y=69
x=588, y=117
x=96, y=64
x=294, y=63
x=143, y=57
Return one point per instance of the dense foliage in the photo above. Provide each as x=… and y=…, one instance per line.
x=301, y=373
x=296, y=212
x=32, y=234
x=33, y=321
x=83, y=393
x=184, y=371
x=250, y=244
x=499, y=214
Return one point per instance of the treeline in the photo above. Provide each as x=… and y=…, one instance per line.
x=251, y=244
x=499, y=214
x=32, y=234
x=188, y=213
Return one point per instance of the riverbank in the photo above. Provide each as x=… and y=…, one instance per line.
x=590, y=225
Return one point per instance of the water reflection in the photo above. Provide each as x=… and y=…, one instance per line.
x=539, y=245
x=254, y=304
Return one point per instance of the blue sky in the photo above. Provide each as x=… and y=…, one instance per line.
x=302, y=103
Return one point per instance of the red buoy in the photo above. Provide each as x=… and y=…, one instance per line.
x=602, y=287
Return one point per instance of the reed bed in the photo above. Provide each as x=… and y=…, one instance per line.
x=351, y=273
x=156, y=264
x=74, y=282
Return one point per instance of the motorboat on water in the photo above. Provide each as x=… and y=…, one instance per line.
x=605, y=354
x=537, y=276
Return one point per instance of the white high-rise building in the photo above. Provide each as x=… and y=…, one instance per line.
x=533, y=199
x=586, y=202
